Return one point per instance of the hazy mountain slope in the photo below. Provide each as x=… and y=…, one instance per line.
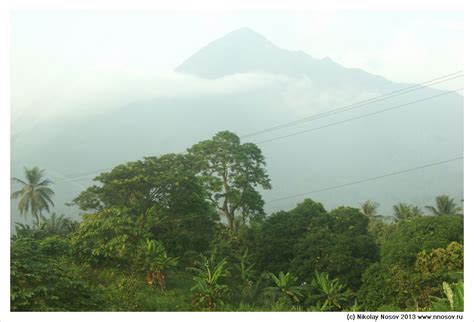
x=244, y=50
x=414, y=135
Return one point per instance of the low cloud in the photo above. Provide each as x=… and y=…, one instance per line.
x=96, y=92
x=305, y=98
x=101, y=90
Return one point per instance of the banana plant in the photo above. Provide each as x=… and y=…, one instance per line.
x=208, y=274
x=455, y=297
x=156, y=261
x=330, y=294
x=453, y=300
x=285, y=285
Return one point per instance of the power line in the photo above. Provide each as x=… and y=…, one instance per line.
x=80, y=174
x=366, y=180
x=359, y=117
x=85, y=175
x=351, y=106
x=356, y=105
x=345, y=184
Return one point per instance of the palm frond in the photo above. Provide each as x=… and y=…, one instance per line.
x=19, y=181
x=45, y=183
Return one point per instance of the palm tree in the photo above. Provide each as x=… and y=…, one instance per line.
x=58, y=225
x=369, y=208
x=403, y=212
x=35, y=195
x=444, y=206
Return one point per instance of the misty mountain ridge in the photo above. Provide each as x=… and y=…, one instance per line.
x=426, y=132
x=244, y=51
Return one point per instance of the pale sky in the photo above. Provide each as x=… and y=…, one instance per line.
x=53, y=52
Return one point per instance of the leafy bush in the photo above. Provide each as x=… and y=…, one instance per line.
x=338, y=243
x=45, y=278
x=422, y=233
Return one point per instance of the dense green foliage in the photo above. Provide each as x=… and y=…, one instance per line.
x=150, y=239
x=44, y=277
x=344, y=246
x=416, y=260
x=155, y=197
x=279, y=234
x=422, y=233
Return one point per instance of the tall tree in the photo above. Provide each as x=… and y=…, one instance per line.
x=444, y=206
x=231, y=173
x=35, y=195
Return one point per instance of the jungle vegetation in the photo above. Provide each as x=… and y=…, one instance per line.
x=188, y=232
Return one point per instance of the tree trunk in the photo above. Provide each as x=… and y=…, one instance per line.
x=232, y=223
x=225, y=207
x=37, y=219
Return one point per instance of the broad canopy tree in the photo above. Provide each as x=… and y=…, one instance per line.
x=161, y=195
x=169, y=180
x=231, y=172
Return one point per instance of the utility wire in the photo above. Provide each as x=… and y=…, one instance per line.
x=85, y=175
x=81, y=174
x=359, y=117
x=339, y=186
x=366, y=180
x=356, y=105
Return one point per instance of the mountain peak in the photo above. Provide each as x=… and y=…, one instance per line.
x=242, y=50
x=244, y=30
x=242, y=39
x=246, y=34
